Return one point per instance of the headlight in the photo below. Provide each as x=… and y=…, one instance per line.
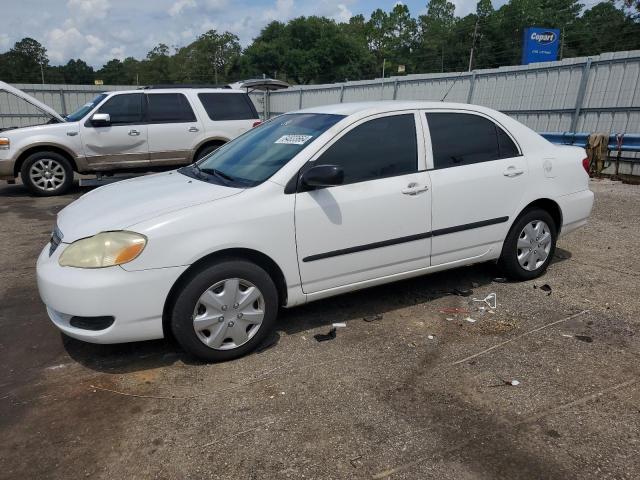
x=5, y=143
x=105, y=249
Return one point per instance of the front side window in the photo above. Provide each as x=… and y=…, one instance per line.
x=384, y=147
x=124, y=109
x=253, y=157
x=169, y=108
x=84, y=109
x=463, y=138
x=228, y=106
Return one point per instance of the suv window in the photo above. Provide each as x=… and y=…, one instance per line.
x=169, y=108
x=228, y=106
x=384, y=147
x=463, y=138
x=124, y=109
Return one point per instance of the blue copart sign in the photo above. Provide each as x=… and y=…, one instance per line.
x=540, y=45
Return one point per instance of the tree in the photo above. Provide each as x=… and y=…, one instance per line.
x=210, y=58
x=25, y=62
x=78, y=72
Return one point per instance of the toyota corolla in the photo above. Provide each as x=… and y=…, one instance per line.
x=309, y=205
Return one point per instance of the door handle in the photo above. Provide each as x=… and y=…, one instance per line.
x=512, y=172
x=414, y=189
x=194, y=129
x=134, y=133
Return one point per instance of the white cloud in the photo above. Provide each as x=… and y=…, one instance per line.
x=4, y=40
x=83, y=10
x=283, y=10
x=216, y=4
x=343, y=14
x=180, y=5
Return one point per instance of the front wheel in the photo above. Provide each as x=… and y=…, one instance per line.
x=46, y=174
x=225, y=310
x=529, y=246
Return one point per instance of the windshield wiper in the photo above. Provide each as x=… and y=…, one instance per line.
x=218, y=173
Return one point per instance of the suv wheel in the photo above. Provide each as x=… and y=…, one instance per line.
x=530, y=245
x=46, y=174
x=225, y=311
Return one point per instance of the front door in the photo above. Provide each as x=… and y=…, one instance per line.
x=375, y=224
x=123, y=143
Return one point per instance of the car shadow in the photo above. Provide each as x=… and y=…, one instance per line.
x=138, y=356
x=19, y=190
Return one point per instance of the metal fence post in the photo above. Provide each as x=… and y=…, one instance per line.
x=471, y=87
x=395, y=89
x=63, y=103
x=300, y=100
x=581, y=91
x=341, y=92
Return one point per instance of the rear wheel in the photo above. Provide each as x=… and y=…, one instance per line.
x=207, y=150
x=530, y=245
x=225, y=310
x=46, y=174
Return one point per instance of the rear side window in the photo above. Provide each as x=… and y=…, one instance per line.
x=384, y=147
x=124, y=109
x=228, y=106
x=169, y=108
x=462, y=139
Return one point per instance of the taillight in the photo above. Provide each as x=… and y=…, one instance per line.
x=586, y=164
x=255, y=124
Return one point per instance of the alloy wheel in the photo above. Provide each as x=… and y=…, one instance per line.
x=47, y=174
x=534, y=245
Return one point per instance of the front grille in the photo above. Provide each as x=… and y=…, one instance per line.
x=56, y=238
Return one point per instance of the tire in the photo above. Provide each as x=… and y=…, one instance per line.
x=206, y=151
x=46, y=174
x=200, y=305
x=515, y=261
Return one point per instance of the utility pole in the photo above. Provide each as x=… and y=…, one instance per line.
x=561, y=43
x=42, y=73
x=473, y=43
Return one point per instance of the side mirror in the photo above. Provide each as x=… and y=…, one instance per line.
x=101, y=120
x=323, y=176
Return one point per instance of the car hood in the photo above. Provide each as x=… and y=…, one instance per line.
x=120, y=205
x=29, y=99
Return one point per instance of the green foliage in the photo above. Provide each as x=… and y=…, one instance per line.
x=318, y=50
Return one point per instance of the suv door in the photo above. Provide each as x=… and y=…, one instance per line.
x=174, y=130
x=375, y=224
x=122, y=143
x=479, y=178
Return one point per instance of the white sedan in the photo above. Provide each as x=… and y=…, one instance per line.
x=311, y=204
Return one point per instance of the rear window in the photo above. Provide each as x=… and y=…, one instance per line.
x=228, y=106
x=169, y=108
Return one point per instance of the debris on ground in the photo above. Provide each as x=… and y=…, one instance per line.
x=323, y=337
x=584, y=338
x=430, y=337
x=491, y=300
x=545, y=288
x=500, y=280
x=471, y=320
x=462, y=292
x=515, y=383
x=339, y=325
x=373, y=318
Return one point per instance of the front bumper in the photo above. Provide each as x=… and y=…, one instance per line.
x=135, y=299
x=6, y=167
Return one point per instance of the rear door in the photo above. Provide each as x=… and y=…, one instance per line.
x=124, y=142
x=229, y=114
x=174, y=130
x=377, y=223
x=479, y=178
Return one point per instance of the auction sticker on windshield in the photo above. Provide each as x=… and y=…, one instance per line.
x=294, y=139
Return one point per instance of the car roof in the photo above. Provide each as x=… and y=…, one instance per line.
x=383, y=106
x=178, y=90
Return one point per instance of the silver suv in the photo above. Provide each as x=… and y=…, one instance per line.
x=145, y=129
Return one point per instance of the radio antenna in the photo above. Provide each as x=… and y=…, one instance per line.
x=451, y=86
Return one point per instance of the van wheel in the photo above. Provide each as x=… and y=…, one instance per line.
x=47, y=174
x=529, y=246
x=207, y=150
x=225, y=311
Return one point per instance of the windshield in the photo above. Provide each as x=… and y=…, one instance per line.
x=253, y=157
x=86, y=108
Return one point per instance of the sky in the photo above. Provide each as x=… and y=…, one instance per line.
x=99, y=30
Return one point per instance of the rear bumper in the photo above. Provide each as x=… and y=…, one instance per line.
x=576, y=208
x=135, y=300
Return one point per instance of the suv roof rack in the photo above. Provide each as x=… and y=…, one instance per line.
x=182, y=85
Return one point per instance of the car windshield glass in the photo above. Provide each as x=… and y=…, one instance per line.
x=84, y=109
x=253, y=157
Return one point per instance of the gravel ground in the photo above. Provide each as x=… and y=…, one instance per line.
x=414, y=394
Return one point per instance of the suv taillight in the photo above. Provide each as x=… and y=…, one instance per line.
x=586, y=164
x=255, y=124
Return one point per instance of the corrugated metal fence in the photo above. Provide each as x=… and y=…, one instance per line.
x=594, y=94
